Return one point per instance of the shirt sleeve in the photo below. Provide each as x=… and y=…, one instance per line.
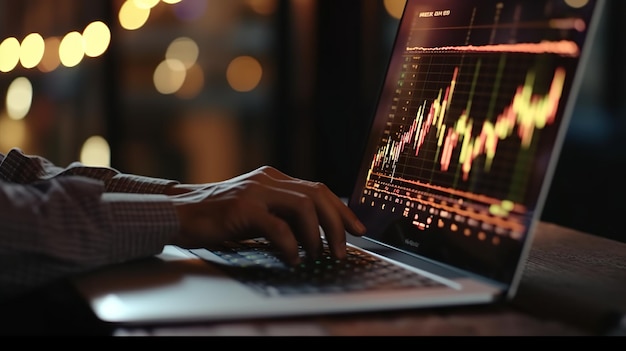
x=56, y=222
x=19, y=168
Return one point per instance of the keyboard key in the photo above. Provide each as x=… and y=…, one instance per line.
x=257, y=264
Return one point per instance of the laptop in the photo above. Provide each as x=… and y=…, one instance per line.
x=461, y=150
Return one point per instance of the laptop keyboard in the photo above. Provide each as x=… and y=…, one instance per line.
x=256, y=264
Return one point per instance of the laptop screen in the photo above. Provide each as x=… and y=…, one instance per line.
x=468, y=126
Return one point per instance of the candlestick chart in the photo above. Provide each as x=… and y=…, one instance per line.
x=463, y=129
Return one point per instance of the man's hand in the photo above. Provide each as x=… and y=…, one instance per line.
x=264, y=203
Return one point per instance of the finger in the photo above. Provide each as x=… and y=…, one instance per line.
x=301, y=211
x=318, y=206
x=290, y=207
x=278, y=232
x=351, y=221
x=328, y=207
x=291, y=199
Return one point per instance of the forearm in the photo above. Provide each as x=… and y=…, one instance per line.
x=16, y=167
x=67, y=226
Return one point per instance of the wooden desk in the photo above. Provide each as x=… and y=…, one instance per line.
x=574, y=285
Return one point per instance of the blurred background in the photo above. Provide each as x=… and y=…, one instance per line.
x=204, y=90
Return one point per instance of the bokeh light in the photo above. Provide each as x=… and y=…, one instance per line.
x=32, y=50
x=132, y=17
x=395, y=8
x=13, y=133
x=184, y=50
x=169, y=76
x=263, y=7
x=97, y=38
x=9, y=54
x=50, y=60
x=96, y=152
x=244, y=73
x=19, y=98
x=71, y=50
x=577, y=3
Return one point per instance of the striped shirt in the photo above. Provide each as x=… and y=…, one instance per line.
x=56, y=222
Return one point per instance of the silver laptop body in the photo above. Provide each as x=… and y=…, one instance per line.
x=462, y=147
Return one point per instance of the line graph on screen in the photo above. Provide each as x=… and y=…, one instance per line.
x=444, y=128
